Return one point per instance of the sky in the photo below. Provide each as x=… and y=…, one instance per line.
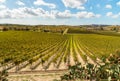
x=60, y=12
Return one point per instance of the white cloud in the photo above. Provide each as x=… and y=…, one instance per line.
x=110, y=14
x=25, y=12
x=118, y=3
x=108, y=6
x=65, y=14
x=20, y=3
x=57, y=14
x=2, y=7
x=98, y=15
x=85, y=14
x=50, y=14
x=2, y=1
x=4, y=14
x=116, y=16
x=78, y=4
x=41, y=2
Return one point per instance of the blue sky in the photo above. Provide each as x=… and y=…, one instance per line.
x=60, y=12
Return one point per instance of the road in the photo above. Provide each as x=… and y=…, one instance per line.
x=38, y=72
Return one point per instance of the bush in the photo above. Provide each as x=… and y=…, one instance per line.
x=109, y=70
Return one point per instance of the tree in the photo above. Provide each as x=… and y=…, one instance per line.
x=101, y=28
x=116, y=29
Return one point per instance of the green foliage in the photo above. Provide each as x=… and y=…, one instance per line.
x=110, y=70
x=20, y=46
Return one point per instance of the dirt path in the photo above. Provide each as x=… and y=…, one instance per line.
x=37, y=72
x=36, y=77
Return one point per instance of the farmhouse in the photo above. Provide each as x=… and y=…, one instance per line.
x=1, y=28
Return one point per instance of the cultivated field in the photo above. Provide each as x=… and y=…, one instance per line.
x=27, y=51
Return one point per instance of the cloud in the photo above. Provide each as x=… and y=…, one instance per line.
x=50, y=14
x=85, y=14
x=57, y=14
x=25, y=12
x=20, y=3
x=108, y=6
x=4, y=14
x=41, y=2
x=110, y=14
x=118, y=3
x=65, y=14
x=98, y=16
x=2, y=1
x=2, y=7
x=78, y=4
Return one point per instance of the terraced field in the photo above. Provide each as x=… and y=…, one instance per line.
x=22, y=51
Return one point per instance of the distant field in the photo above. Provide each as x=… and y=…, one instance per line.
x=32, y=51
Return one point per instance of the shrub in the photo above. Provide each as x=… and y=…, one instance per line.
x=109, y=70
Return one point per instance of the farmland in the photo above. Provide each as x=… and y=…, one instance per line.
x=39, y=51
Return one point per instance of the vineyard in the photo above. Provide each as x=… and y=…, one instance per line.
x=38, y=51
